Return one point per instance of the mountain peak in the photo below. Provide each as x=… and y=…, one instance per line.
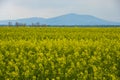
x=72, y=14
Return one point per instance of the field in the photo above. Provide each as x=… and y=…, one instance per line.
x=59, y=53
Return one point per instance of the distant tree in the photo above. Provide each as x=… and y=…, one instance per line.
x=37, y=24
x=16, y=24
x=24, y=24
x=9, y=24
x=32, y=24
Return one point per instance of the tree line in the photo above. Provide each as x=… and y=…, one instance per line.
x=18, y=24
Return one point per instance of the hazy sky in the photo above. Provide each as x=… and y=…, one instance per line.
x=14, y=9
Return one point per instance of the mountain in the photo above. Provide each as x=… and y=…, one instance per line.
x=68, y=19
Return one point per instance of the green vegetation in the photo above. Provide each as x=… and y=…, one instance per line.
x=59, y=53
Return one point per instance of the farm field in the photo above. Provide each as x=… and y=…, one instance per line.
x=59, y=53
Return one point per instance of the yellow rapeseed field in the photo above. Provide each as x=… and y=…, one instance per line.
x=59, y=53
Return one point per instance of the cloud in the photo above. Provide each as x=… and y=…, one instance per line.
x=2, y=2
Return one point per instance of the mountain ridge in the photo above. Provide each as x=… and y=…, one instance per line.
x=67, y=19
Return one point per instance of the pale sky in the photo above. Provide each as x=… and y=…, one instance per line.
x=15, y=9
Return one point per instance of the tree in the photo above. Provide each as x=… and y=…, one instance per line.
x=32, y=24
x=37, y=24
x=16, y=24
x=9, y=24
x=24, y=25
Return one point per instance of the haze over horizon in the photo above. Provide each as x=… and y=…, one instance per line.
x=16, y=9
